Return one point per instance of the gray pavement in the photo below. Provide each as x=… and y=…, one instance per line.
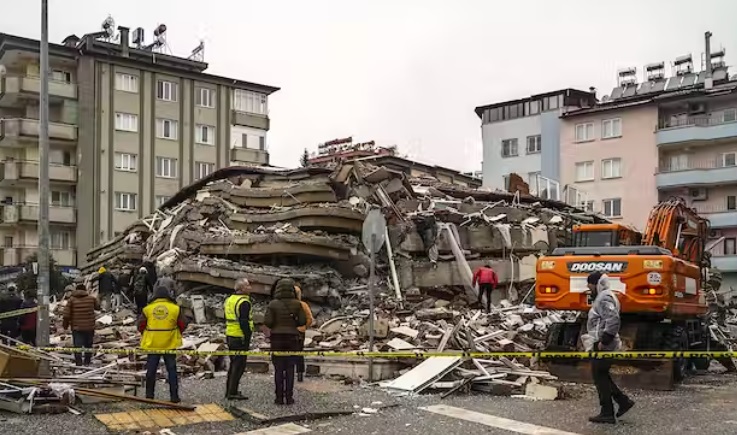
x=704, y=405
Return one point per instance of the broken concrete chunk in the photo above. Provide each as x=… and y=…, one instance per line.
x=434, y=314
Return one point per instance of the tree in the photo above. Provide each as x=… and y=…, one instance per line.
x=27, y=279
x=305, y=159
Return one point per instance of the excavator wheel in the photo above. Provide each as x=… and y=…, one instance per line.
x=701, y=363
x=676, y=339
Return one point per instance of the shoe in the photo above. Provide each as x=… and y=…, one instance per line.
x=626, y=406
x=603, y=418
x=238, y=396
x=279, y=401
x=290, y=401
x=175, y=400
x=300, y=377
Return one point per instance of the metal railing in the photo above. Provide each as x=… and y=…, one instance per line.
x=726, y=116
x=713, y=208
x=690, y=165
x=545, y=188
x=718, y=251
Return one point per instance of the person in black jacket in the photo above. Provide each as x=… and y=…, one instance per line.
x=107, y=286
x=10, y=301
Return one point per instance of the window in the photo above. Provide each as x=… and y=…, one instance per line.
x=205, y=134
x=588, y=206
x=611, y=168
x=678, y=162
x=166, y=167
x=203, y=169
x=505, y=182
x=166, y=128
x=59, y=157
x=125, y=201
x=126, y=82
x=166, y=91
x=250, y=102
x=611, y=128
x=534, y=144
x=126, y=162
x=262, y=143
x=731, y=202
x=532, y=178
x=161, y=199
x=126, y=122
x=534, y=107
x=729, y=246
x=62, y=198
x=729, y=159
x=509, y=148
x=550, y=103
x=585, y=171
x=205, y=97
x=61, y=240
x=584, y=132
x=61, y=76
x=729, y=115
x=612, y=207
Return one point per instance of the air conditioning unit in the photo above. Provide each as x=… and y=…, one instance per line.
x=701, y=194
x=715, y=234
x=696, y=108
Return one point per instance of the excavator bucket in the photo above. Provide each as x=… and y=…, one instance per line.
x=646, y=374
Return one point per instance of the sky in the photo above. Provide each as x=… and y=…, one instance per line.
x=403, y=72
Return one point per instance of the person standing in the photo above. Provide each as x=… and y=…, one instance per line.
x=302, y=331
x=283, y=316
x=165, y=280
x=9, y=301
x=487, y=280
x=161, y=326
x=238, y=330
x=603, y=335
x=79, y=315
x=106, y=288
x=28, y=321
x=141, y=289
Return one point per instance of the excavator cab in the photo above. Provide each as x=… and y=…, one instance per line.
x=657, y=277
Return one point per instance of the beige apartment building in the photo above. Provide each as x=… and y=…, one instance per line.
x=129, y=127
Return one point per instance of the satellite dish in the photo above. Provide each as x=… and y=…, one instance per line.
x=109, y=26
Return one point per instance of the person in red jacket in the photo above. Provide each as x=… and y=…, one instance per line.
x=28, y=321
x=487, y=280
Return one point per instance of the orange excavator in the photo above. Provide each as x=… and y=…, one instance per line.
x=658, y=278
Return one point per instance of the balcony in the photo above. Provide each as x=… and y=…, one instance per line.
x=719, y=215
x=16, y=90
x=14, y=171
x=249, y=155
x=253, y=120
x=16, y=255
x=697, y=129
x=20, y=132
x=699, y=172
x=723, y=262
x=25, y=213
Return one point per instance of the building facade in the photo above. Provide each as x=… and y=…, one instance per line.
x=663, y=138
x=523, y=137
x=129, y=127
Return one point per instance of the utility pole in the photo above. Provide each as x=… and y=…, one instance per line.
x=42, y=338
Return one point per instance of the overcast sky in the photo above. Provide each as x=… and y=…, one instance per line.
x=404, y=72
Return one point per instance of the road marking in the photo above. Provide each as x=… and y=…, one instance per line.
x=493, y=421
x=284, y=429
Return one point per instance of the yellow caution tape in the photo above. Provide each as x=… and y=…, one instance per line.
x=17, y=313
x=405, y=354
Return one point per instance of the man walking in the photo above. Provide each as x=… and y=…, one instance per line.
x=487, y=280
x=79, y=315
x=302, y=331
x=238, y=330
x=141, y=289
x=161, y=326
x=603, y=335
x=107, y=288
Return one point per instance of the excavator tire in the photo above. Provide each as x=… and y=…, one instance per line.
x=701, y=363
x=676, y=339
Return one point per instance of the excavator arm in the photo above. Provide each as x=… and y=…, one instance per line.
x=675, y=226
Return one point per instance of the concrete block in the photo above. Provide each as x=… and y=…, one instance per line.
x=541, y=392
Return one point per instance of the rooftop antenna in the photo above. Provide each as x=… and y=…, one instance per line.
x=108, y=29
x=198, y=54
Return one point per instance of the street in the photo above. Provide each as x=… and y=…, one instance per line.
x=704, y=404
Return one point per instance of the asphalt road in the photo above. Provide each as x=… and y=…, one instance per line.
x=704, y=405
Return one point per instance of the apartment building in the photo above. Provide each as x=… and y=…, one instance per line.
x=129, y=127
x=523, y=136
x=665, y=137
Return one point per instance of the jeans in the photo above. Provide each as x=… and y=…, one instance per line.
x=284, y=366
x=485, y=289
x=605, y=386
x=141, y=299
x=300, y=360
x=83, y=339
x=152, y=366
x=237, y=364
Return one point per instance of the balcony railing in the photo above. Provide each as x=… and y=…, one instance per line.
x=714, y=208
x=707, y=120
x=14, y=255
x=15, y=170
x=30, y=85
x=25, y=212
x=20, y=128
x=700, y=164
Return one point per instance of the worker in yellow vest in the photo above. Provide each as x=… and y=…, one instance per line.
x=238, y=330
x=161, y=326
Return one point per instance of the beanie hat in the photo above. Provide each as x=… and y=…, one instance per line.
x=593, y=278
x=285, y=285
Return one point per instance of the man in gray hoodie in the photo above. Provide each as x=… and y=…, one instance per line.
x=603, y=335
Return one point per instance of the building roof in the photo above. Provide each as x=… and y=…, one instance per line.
x=401, y=161
x=89, y=45
x=480, y=109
